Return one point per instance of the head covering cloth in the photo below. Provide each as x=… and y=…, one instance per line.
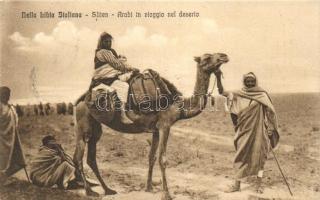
x=47, y=138
x=103, y=36
x=4, y=94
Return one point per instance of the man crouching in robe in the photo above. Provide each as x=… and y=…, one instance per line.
x=52, y=166
x=256, y=126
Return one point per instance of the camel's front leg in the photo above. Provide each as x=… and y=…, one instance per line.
x=152, y=158
x=91, y=159
x=77, y=159
x=164, y=135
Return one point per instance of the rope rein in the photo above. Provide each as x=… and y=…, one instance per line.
x=214, y=85
x=212, y=89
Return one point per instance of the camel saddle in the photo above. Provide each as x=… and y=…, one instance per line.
x=147, y=90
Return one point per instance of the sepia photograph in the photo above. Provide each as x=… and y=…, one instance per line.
x=160, y=100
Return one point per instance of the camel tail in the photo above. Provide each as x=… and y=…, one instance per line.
x=81, y=98
x=75, y=119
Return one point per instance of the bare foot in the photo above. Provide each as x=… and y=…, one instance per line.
x=259, y=190
x=232, y=188
x=90, y=192
x=109, y=191
x=125, y=119
x=166, y=196
x=149, y=188
x=74, y=184
x=3, y=178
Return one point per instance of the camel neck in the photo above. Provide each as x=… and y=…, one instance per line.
x=197, y=102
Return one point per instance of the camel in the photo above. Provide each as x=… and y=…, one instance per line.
x=160, y=122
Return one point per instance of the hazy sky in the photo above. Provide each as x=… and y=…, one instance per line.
x=279, y=41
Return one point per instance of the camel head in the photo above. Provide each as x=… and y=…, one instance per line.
x=211, y=62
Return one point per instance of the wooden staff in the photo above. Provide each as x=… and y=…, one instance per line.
x=279, y=167
x=25, y=170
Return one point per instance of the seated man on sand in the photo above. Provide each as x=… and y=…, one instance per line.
x=52, y=166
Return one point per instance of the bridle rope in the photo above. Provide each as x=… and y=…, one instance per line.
x=213, y=86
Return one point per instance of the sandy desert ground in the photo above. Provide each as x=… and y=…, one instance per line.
x=200, y=155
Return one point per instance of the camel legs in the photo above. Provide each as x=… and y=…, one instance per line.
x=164, y=135
x=152, y=159
x=82, y=128
x=91, y=157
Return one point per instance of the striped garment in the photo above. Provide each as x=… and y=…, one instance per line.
x=106, y=56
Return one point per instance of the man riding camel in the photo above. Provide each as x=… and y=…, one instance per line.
x=112, y=70
x=110, y=67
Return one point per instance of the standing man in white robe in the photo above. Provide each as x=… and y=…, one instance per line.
x=256, y=127
x=11, y=153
